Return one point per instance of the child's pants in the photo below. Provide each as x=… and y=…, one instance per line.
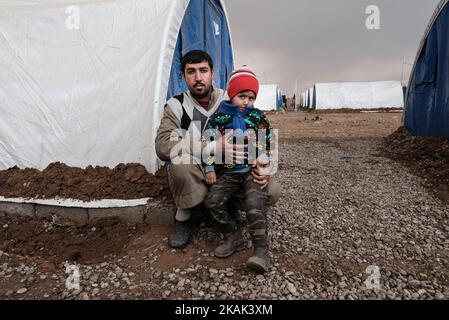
x=255, y=200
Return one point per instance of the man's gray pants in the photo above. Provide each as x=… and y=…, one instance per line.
x=188, y=187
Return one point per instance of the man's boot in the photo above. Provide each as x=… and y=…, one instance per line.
x=260, y=261
x=181, y=234
x=232, y=243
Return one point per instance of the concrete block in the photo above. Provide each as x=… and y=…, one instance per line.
x=21, y=209
x=131, y=215
x=65, y=216
x=158, y=214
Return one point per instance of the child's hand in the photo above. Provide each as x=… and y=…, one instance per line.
x=211, y=178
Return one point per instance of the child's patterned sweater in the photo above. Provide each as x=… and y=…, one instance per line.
x=253, y=125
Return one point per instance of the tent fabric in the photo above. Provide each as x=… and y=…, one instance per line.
x=312, y=102
x=427, y=101
x=279, y=101
x=268, y=98
x=309, y=97
x=208, y=32
x=358, y=95
x=303, y=98
x=92, y=94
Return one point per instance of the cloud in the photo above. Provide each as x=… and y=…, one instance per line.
x=326, y=40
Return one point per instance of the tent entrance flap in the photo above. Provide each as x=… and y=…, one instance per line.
x=208, y=32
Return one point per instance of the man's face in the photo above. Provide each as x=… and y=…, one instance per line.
x=198, y=77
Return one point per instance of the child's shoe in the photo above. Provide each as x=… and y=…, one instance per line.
x=260, y=261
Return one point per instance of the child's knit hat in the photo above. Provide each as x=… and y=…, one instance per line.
x=241, y=80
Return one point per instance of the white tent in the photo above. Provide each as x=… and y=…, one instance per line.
x=311, y=98
x=84, y=82
x=269, y=97
x=359, y=95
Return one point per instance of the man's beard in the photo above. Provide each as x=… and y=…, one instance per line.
x=201, y=95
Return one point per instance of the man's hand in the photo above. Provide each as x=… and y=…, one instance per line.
x=236, y=150
x=264, y=166
x=261, y=172
x=211, y=178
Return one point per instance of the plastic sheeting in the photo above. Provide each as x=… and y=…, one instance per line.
x=303, y=97
x=86, y=94
x=311, y=97
x=279, y=99
x=427, y=103
x=358, y=95
x=269, y=97
x=208, y=32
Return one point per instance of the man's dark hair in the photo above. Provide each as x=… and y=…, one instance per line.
x=196, y=56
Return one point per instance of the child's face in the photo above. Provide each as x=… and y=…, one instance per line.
x=244, y=99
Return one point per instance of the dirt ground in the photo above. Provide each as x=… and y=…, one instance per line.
x=296, y=127
x=130, y=181
x=424, y=156
x=134, y=262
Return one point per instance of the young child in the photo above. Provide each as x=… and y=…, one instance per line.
x=239, y=113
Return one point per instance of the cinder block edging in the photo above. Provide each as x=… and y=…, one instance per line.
x=152, y=213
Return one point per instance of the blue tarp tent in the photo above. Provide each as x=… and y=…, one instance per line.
x=427, y=102
x=279, y=99
x=204, y=27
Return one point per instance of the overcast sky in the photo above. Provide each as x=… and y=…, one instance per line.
x=326, y=40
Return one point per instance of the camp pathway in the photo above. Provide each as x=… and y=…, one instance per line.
x=350, y=224
x=346, y=211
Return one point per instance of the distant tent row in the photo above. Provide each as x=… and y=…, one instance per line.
x=307, y=98
x=269, y=97
x=354, y=95
x=427, y=102
x=311, y=98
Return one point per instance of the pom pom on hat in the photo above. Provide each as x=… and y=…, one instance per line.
x=242, y=80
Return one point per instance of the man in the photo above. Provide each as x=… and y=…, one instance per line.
x=190, y=112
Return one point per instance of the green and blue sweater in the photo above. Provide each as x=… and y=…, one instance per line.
x=249, y=121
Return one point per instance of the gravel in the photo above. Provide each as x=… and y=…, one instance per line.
x=349, y=225
x=22, y=291
x=344, y=216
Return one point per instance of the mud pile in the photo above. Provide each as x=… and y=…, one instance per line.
x=125, y=181
x=426, y=157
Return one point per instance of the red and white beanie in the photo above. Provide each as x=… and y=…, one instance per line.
x=241, y=80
